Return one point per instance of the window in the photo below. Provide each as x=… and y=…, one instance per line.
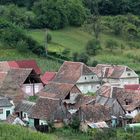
x=97, y=87
x=36, y=88
x=28, y=89
x=24, y=115
x=129, y=112
x=92, y=77
x=1, y=111
x=85, y=78
x=128, y=74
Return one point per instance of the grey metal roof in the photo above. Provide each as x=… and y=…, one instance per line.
x=105, y=101
x=4, y=102
x=24, y=106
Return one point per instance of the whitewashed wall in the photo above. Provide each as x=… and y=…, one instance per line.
x=88, y=83
x=3, y=115
x=133, y=113
x=28, y=88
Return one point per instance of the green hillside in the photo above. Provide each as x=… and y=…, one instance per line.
x=44, y=63
x=75, y=39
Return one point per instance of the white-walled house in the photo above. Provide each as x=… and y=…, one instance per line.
x=79, y=74
x=116, y=74
x=19, y=82
x=23, y=109
x=45, y=109
x=6, y=108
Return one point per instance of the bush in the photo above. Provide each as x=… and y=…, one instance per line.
x=83, y=57
x=92, y=47
x=14, y=37
x=49, y=38
x=111, y=45
x=75, y=123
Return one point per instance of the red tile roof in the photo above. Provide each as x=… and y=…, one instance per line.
x=25, y=64
x=110, y=71
x=58, y=90
x=133, y=87
x=70, y=72
x=95, y=113
x=47, y=77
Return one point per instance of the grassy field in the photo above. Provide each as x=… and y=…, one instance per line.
x=75, y=39
x=14, y=132
x=44, y=63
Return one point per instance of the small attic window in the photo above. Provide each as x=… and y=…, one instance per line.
x=129, y=112
x=1, y=111
x=128, y=74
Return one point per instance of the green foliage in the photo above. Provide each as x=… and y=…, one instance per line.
x=75, y=123
x=76, y=12
x=16, y=15
x=8, y=132
x=50, y=13
x=49, y=38
x=33, y=98
x=66, y=52
x=14, y=37
x=127, y=26
x=92, y=47
x=111, y=45
x=83, y=57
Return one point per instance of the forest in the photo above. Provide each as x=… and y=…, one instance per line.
x=109, y=28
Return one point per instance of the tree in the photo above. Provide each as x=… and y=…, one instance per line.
x=76, y=12
x=94, y=20
x=83, y=57
x=111, y=45
x=15, y=37
x=17, y=15
x=92, y=47
x=51, y=14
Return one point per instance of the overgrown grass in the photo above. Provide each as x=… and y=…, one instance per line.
x=14, y=132
x=75, y=39
x=44, y=63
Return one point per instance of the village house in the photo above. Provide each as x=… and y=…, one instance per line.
x=6, y=108
x=116, y=109
x=46, y=109
x=130, y=102
x=90, y=114
x=67, y=93
x=23, y=109
x=117, y=74
x=31, y=64
x=18, y=83
x=78, y=74
x=47, y=77
x=108, y=90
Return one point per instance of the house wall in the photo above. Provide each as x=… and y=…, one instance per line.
x=117, y=110
x=31, y=122
x=133, y=113
x=3, y=115
x=129, y=81
x=123, y=81
x=41, y=122
x=28, y=88
x=23, y=116
x=88, y=87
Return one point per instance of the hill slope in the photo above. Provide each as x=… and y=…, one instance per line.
x=75, y=39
